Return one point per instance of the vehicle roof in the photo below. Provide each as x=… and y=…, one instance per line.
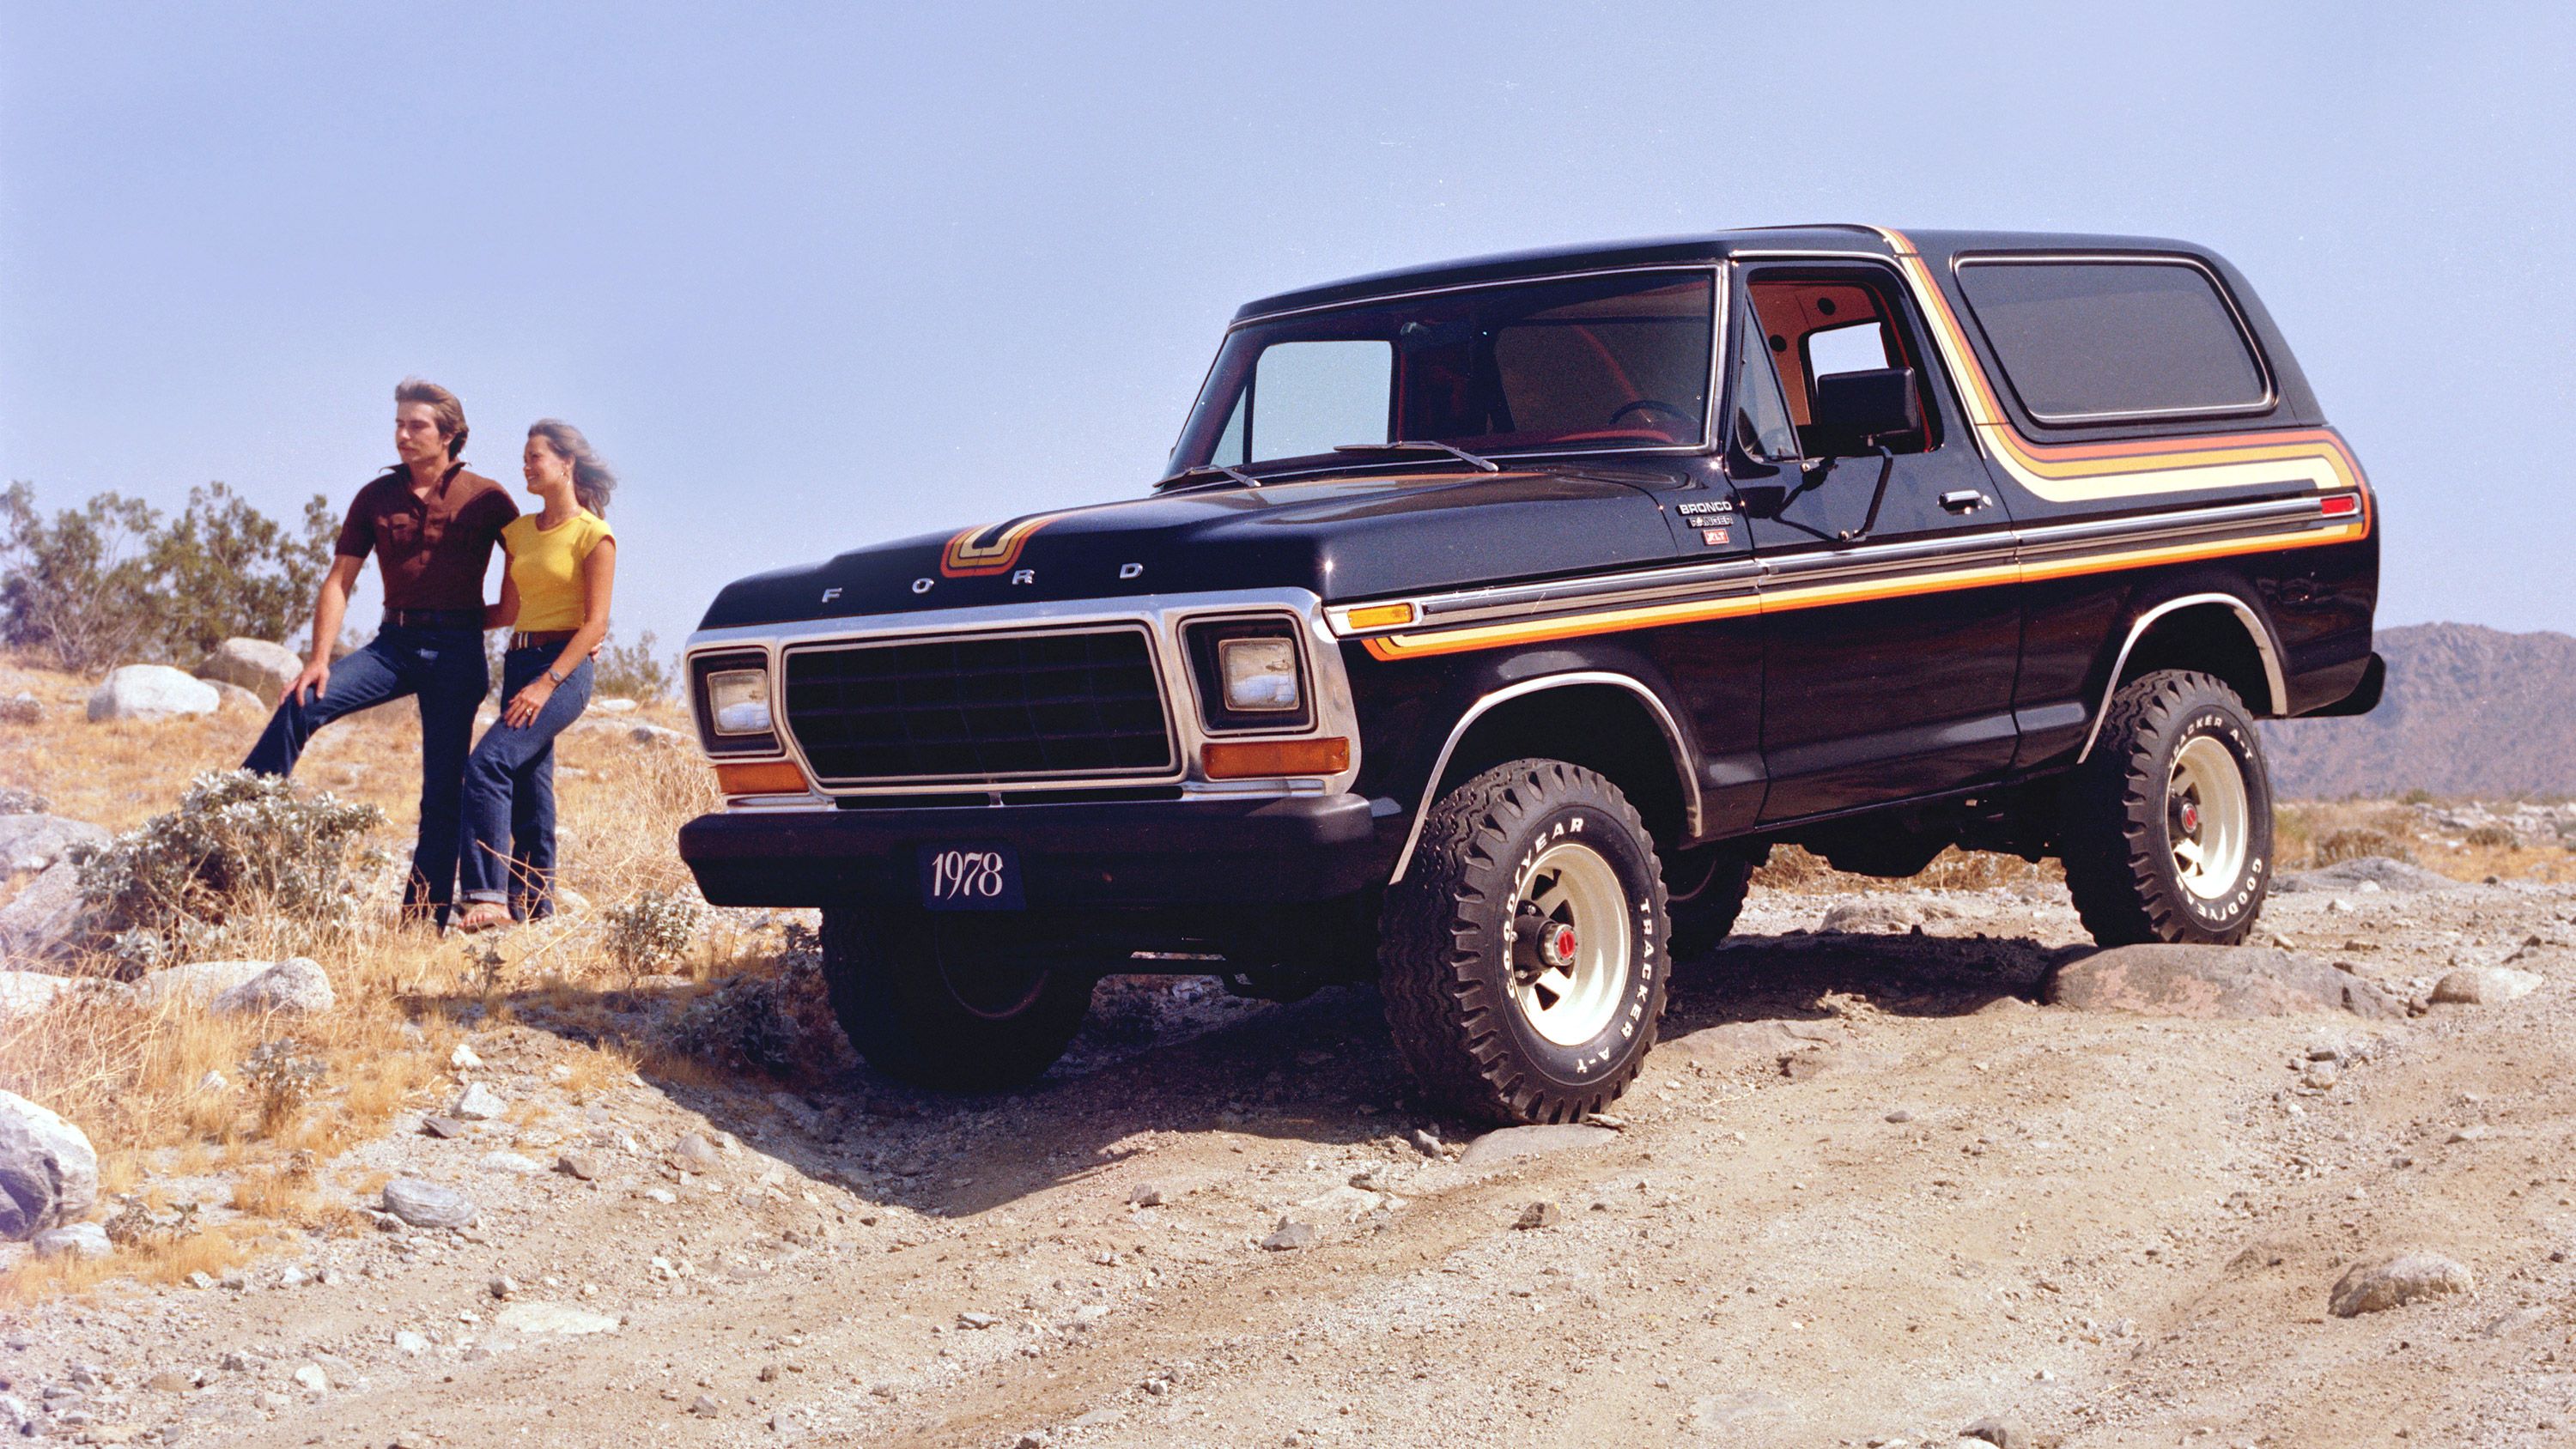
x=1936, y=246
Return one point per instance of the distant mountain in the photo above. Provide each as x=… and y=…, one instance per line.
x=2469, y=711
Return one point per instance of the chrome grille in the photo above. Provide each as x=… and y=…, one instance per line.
x=1073, y=703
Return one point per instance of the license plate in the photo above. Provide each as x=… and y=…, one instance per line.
x=971, y=878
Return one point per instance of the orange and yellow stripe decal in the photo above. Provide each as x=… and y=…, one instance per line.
x=990, y=548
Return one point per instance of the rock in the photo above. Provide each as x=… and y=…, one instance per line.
x=1342, y=1204
x=653, y=734
x=1289, y=1236
x=1539, y=1215
x=2394, y=1282
x=212, y=1082
x=1509, y=1143
x=15, y=801
x=1145, y=1195
x=1883, y=915
x=294, y=986
x=2211, y=982
x=409, y=1343
x=695, y=1153
x=44, y=920
x=705, y=1407
x=21, y=708
x=80, y=1240
x=613, y=705
x=2512, y=1323
x=1901, y=1115
x=25, y=993
x=2484, y=985
x=977, y=1321
x=170, y=1381
x=552, y=1318
x=578, y=1164
x=463, y=1059
x=33, y=842
x=2002, y=1432
x=662, y=1195
x=151, y=692
x=198, y=983
x=509, y=1162
x=1734, y=1044
x=232, y=699
x=426, y=1204
x=1427, y=1142
x=2474, y=1132
x=261, y=666
x=48, y=1171
x=478, y=1103
x=312, y=1380
x=433, y=1125
x=2370, y=870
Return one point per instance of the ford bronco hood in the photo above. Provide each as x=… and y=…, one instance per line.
x=1343, y=538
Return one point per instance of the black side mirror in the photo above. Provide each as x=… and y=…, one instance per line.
x=1855, y=412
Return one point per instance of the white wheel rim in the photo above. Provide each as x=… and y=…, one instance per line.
x=2207, y=818
x=1568, y=996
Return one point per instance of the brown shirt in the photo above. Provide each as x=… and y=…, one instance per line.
x=432, y=552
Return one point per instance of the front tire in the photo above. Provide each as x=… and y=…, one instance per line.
x=2167, y=832
x=962, y=1003
x=1522, y=957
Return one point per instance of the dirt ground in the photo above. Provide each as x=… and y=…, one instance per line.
x=1866, y=1193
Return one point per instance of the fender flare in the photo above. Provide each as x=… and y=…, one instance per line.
x=2257, y=632
x=1674, y=740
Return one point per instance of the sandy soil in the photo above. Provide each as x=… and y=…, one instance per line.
x=1866, y=1193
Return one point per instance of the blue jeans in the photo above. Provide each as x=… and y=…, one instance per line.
x=445, y=668
x=510, y=789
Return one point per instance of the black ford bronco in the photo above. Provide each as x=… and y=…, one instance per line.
x=1495, y=619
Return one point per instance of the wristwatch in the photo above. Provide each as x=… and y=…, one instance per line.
x=554, y=678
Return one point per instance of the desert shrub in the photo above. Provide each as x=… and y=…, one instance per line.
x=284, y=1076
x=651, y=929
x=241, y=849
x=110, y=581
x=775, y=1023
x=2493, y=836
x=632, y=671
x=2358, y=842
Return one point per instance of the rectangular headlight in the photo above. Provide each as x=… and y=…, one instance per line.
x=1251, y=673
x=1260, y=675
x=738, y=701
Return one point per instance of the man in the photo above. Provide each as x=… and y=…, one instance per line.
x=431, y=526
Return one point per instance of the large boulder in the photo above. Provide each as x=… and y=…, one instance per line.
x=151, y=692
x=48, y=1171
x=294, y=985
x=43, y=920
x=33, y=842
x=2212, y=982
x=258, y=665
x=2376, y=1287
x=2369, y=872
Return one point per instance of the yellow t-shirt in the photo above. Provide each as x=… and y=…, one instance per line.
x=545, y=564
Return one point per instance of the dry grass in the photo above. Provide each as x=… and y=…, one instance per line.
x=130, y=1075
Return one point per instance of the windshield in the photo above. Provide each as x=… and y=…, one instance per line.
x=1586, y=363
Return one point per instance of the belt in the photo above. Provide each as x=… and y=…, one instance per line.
x=434, y=619
x=542, y=639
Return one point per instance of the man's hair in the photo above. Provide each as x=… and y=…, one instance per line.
x=442, y=406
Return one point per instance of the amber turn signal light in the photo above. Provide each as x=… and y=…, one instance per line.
x=1379, y=616
x=1261, y=759
x=767, y=777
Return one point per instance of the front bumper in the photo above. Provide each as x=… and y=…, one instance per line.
x=1096, y=854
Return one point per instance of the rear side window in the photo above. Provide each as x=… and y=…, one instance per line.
x=2099, y=340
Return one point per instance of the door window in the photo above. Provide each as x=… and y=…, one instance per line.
x=1762, y=426
x=1822, y=321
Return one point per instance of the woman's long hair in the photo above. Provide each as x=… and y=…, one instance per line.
x=592, y=480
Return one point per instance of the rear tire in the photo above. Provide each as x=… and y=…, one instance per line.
x=2167, y=827
x=1522, y=957
x=961, y=1003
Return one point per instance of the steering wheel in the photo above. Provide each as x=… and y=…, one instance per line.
x=1647, y=404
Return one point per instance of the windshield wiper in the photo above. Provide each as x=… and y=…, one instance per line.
x=1485, y=464
x=1206, y=473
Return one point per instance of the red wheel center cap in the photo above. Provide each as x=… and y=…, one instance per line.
x=2191, y=816
x=1560, y=945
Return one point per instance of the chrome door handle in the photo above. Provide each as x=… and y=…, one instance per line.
x=1964, y=500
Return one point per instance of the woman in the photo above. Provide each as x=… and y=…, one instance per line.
x=563, y=564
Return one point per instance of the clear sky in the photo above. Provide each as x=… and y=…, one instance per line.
x=817, y=276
